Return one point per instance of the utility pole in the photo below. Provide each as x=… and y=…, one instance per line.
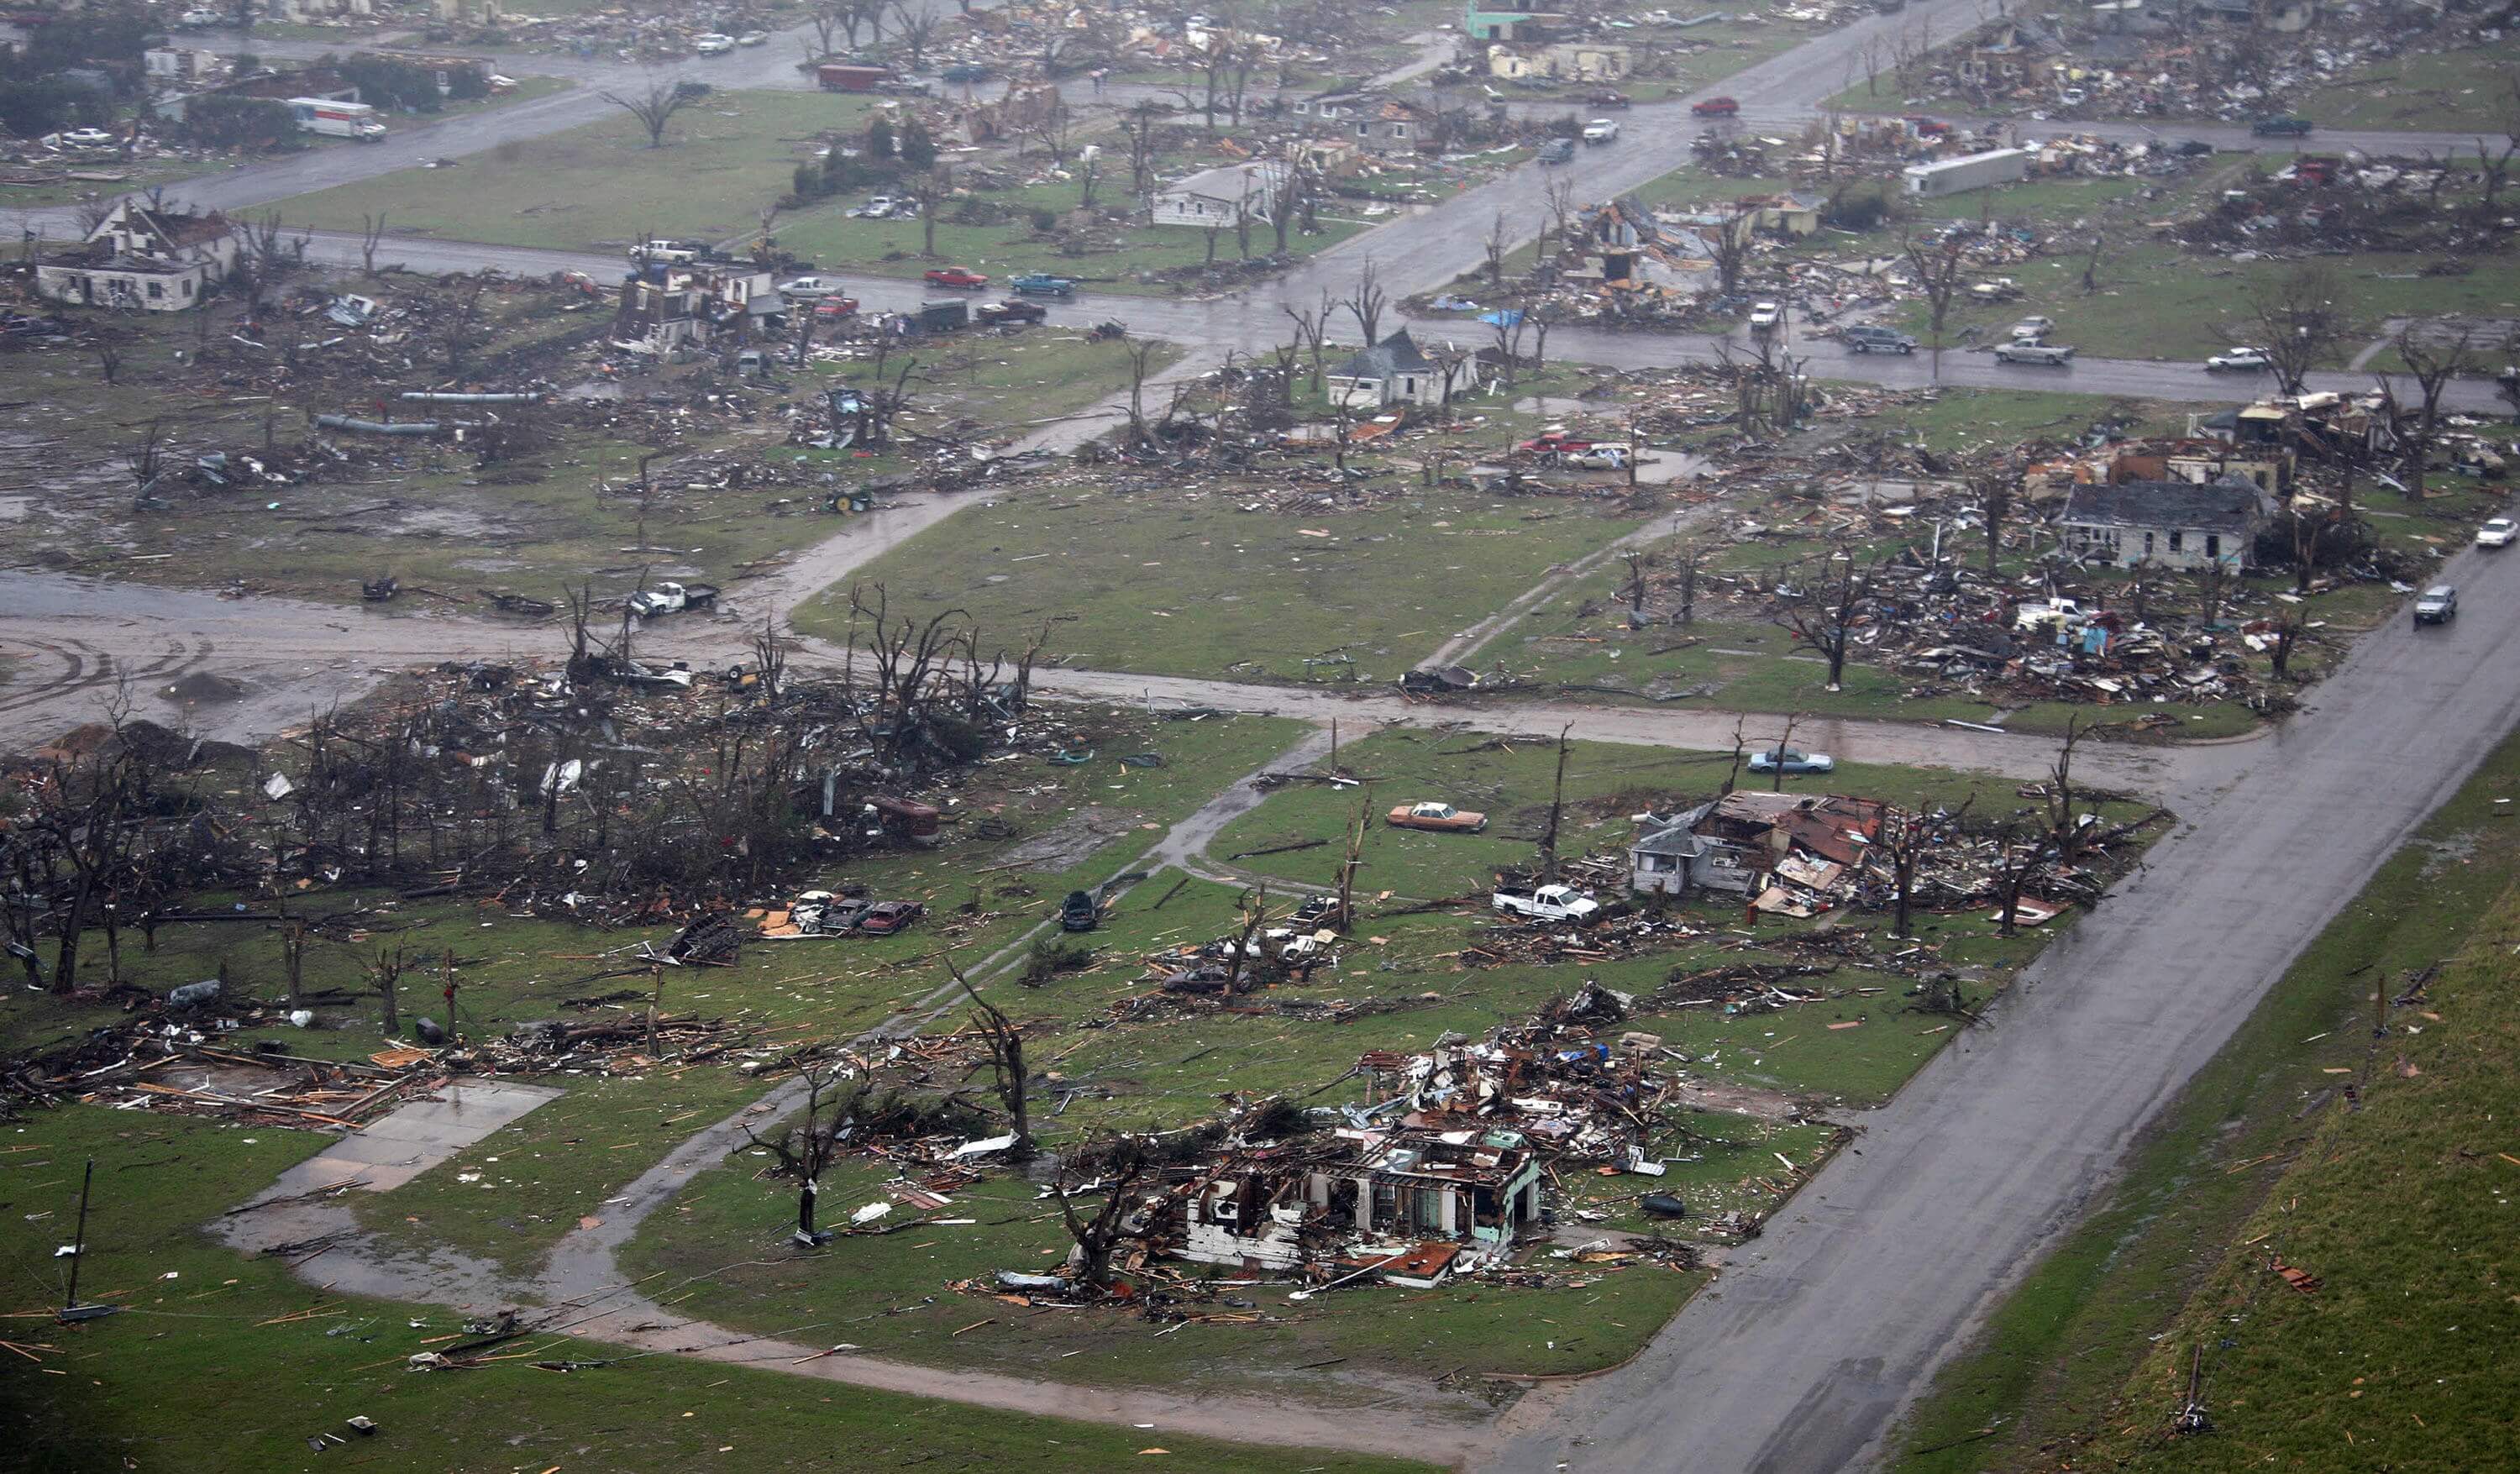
x=1557, y=803
x=72, y=1310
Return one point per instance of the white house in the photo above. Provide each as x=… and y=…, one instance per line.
x=1211, y=198
x=154, y=260
x=1396, y=371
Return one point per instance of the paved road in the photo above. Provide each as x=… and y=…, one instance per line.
x=1812, y=1342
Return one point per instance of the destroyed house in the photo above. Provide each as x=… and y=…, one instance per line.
x=1735, y=842
x=667, y=306
x=1444, y=1201
x=2170, y=524
x=154, y=260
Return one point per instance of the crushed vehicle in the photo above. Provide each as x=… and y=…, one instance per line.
x=815, y=913
x=884, y=918
x=1080, y=912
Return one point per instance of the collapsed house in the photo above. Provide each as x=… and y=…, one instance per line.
x=154, y=260
x=1440, y=1172
x=1417, y=1205
x=664, y=308
x=1739, y=843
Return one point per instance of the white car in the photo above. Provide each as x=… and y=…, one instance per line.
x=1601, y=130
x=200, y=19
x=1764, y=315
x=712, y=44
x=2244, y=360
x=2031, y=329
x=877, y=209
x=813, y=286
x=87, y=138
x=2497, y=532
x=753, y=38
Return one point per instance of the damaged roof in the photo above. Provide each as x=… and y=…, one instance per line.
x=1397, y=354
x=2221, y=506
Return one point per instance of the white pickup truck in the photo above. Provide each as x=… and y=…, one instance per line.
x=1549, y=903
x=670, y=598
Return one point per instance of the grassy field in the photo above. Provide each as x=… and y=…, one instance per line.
x=138, y=1390
x=2157, y=302
x=725, y=156
x=1190, y=582
x=2397, y=1205
x=2454, y=91
x=601, y=185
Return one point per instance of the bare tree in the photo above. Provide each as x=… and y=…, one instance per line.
x=807, y=1145
x=384, y=970
x=2299, y=319
x=1560, y=199
x=1366, y=302
x=372, y=231
x=1556, y=808
x=1741, y=729
x=1784, y=744
x=1689, y=559
x=1936, y=266
x=2433, y=366
x=1311, y=331
x=915, y=22
x=1499, y=239
x=1906, y=837
x=655, y=107
x=2064, y=823
x=1005, y=1060
x=1995, y=496
x=1117, y=1168
x=1823, y=615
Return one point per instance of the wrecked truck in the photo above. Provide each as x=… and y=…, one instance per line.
x=1547, y=903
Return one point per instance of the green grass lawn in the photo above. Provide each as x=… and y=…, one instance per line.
x=601, y=185
x=2157, y=301
x=137, y=1390
x=2396, y=1205
x=2453, y=91
x=1188, y=582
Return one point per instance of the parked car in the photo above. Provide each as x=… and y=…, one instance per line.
x=2239, y=360
x=1790, y=760
x=1865, y=339
x=2045, y=355
x=813, y=286
x=1606, y=99
x=200, y=17
x=831, y=309
x=670, y=598
x=2281, y=127
x=1715, y=107
x=712, y=44
x=2438, y=605
x=753, y=38
x=1601, y=130
x=965, y=72
x=955, y=276
x=1012, y=310
x=87, y=138
x=2190, y=147
x=1595, y=458
x=878, y=209
x=1764, y=316
x=1442, y=817
x=2497, y=532
x=2032, y=330
x=1079, y=913
x=1557, y=151
x=884, y=918
x=1043, y=284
